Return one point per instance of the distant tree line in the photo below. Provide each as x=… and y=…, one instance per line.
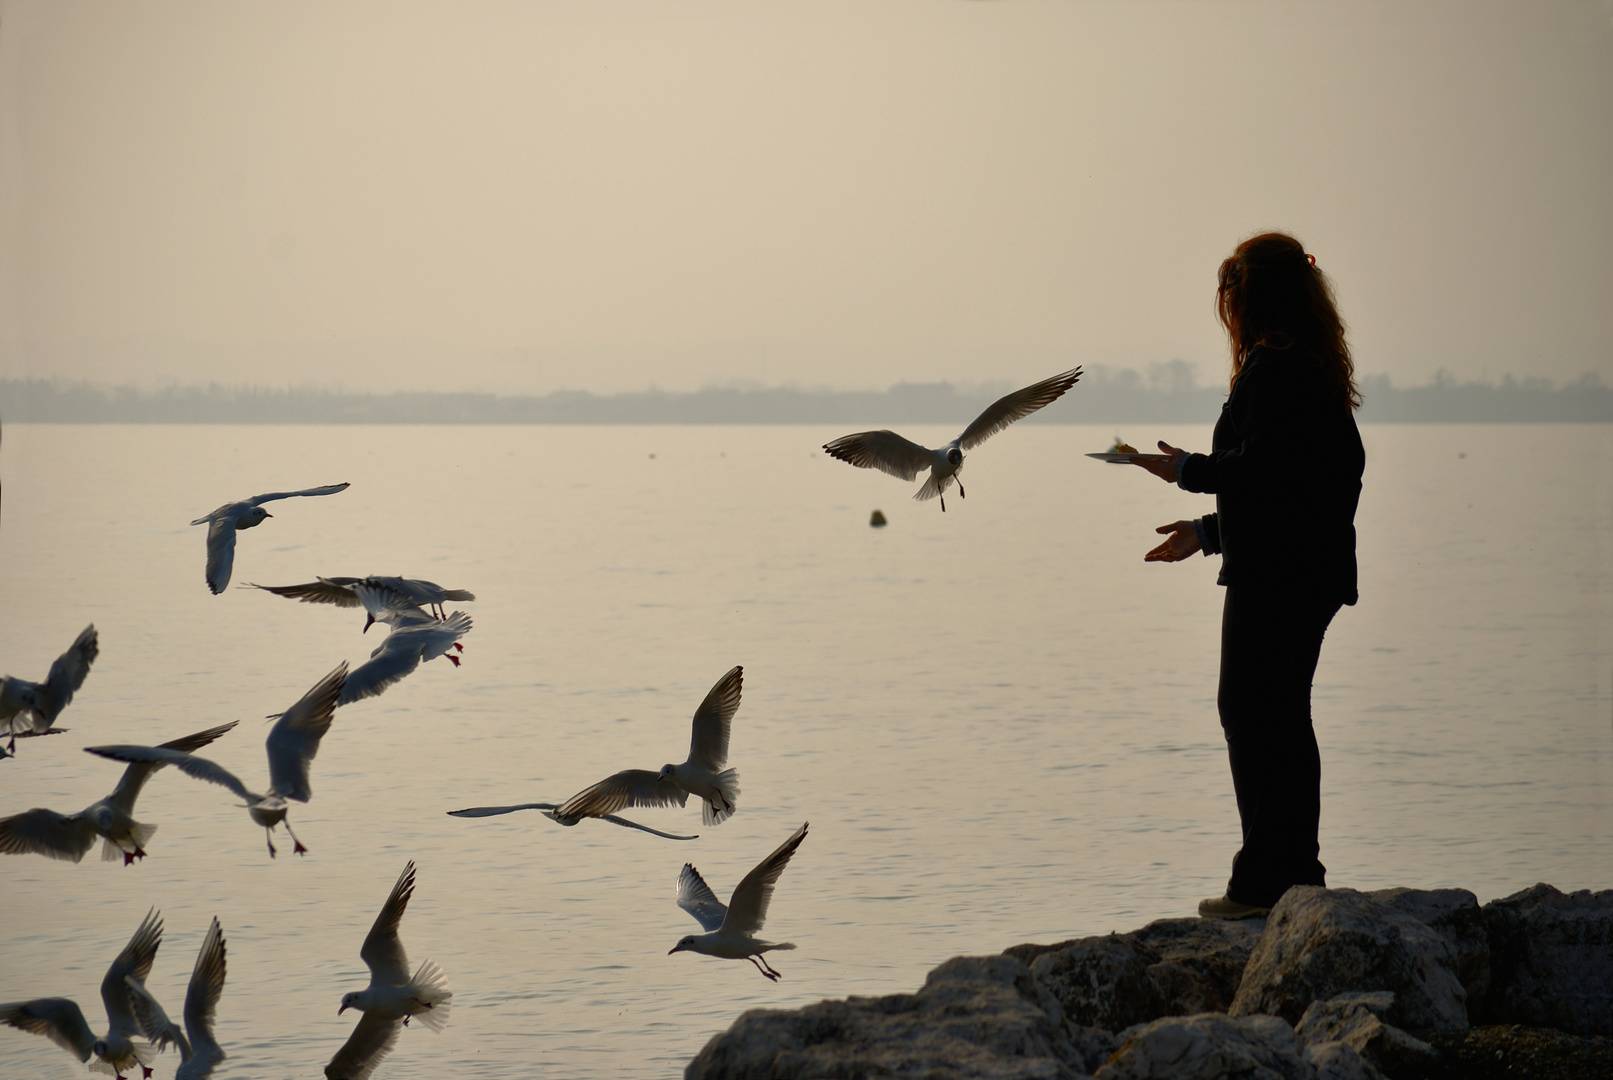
x=1168, y=393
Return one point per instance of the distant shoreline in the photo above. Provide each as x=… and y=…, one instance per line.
x=1102, y=397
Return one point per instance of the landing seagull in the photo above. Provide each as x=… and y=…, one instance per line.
x=731, y=931
x=29, y=708
x=62, y=1022
x=200, y=1053
x=889, y=452
x=393, y=996
x=223, y=523
x=702, y=775
x=415, y=636
x=70, y=836
x=292, y=744
x=342, y=592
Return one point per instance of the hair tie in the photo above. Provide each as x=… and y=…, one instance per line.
x=1312, y=260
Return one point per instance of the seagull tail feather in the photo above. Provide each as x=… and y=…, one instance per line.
x=728, y=784
x=430, y=985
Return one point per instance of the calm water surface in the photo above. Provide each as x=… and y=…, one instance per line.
x=999, y=721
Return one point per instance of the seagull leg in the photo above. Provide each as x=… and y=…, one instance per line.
x=269, y=835
x=452, y=659
x=960, y=489
x=767, y=972
x=943, y=502
x=296, y=844
x=148, y=1070
x=128, y=857
x=458, y=646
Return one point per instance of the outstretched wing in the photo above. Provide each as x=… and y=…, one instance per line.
x=220, y=552
x=747, y=908
x=1021, y=403
x=630, y=787
x=696, y=897
x=883, y=450
x=552, y=812
x=134, y=777
x=383, y=949
x=396, y=657
x=45, y=832
x=198, y=768
x=201, y=1001
x=495, y=811
x=324, y=591
x=294, y=739
x=154, y=1022
x=67, y=674
x=708, y=747
x=371, y=1041
x=136, y=960
x=58, y=1019
x=328, y=489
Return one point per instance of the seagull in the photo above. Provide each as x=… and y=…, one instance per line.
x=70, y=836
x=551, y=811
x=731, y=931
x=292, y=744
x=889, y=452
x=223, y=523
x=28, y=708
x=702, y=775
x=200, y=1053
x=415, y=636
x=392, y=996
x=62, y=1022
x=341, y=592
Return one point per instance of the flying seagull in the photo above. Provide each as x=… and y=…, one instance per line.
x=702, y=775
x=223, y=523
x=889, y=452
x=200, y=1053
x=70, y=836
x=551, y=811
x=731, y=931
x=28, y=708
x=393, y=996
x=341, y=591
x=62, y=1022
x=292, y=744
x=415, y=636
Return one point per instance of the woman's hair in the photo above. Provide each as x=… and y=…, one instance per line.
x=1269, y=293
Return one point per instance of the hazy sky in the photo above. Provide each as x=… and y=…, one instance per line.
x=607, y=195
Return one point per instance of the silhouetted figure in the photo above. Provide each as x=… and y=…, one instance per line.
x=1285, y=469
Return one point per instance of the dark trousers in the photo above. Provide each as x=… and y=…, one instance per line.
x=1270, y=640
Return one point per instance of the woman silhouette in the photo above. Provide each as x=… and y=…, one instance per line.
x=1285, y=469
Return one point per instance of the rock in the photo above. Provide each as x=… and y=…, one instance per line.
x=1201, y=961
x=1210, y=1046
x=1355, y=1021
x=1551, y=961
x=979, y=1016
x=1322, y=942
x=1339, y=1061
x=1511, y=1052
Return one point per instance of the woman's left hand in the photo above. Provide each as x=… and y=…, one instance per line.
x=1165, y=470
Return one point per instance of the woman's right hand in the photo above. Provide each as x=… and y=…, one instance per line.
x=1182, y=543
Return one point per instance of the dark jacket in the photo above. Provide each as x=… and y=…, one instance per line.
x=1285, y=468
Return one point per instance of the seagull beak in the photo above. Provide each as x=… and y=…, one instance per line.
x=674, y=949
x=341, y=1010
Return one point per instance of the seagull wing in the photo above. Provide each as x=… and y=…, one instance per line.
x=396, y=657
x=383, y=949
x=201, y=1002
x=747, y=908
x=45, y=832
x=134, y=777
x=328, y=489
x=135, y=959
x=67, y=674
x=199, y=768
x=696, y=897
x=1021, y=403
x=883, y=450
x=220, y=552
x=371, y=1041
x=336, y=591
x=630, y=787
x=708, y=747
x=294, y=739
x=495, y=811
x=58, y=1019
x=154, y=1022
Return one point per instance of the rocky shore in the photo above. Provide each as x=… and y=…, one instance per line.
x=1335, y=984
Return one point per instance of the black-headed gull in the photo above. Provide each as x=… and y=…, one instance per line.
x=551, y=811
x=29, y=708
x=70, y=836
x=702, y=775
x=223, y=523
x=62, y=1022
x=341, y=591
x=890, y=453
x=393, y=996
x=292, y=744
x=731, y=931
x=415, y=637
x=200, y=1053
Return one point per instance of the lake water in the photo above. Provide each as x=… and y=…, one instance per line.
x=999, y=721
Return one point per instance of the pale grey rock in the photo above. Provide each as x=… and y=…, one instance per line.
x=976, y=1017
x=1322, y=942
x=1210, y=1046
x=1456, y=916
x=1355, y=1020
x=1339, y=1061
x=1551, y=961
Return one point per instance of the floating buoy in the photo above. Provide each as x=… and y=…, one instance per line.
x=877, y=519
